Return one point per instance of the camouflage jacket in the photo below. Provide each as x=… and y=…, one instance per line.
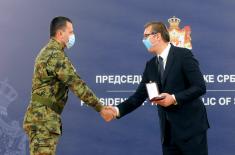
x=53, y=76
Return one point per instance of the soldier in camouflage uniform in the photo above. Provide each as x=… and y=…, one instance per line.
x=53, y=76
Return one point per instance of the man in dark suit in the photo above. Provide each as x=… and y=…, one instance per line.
x=182, y=114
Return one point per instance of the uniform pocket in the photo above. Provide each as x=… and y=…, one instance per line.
x=53, y=123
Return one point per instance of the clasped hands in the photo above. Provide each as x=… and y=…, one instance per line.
x=108, y=113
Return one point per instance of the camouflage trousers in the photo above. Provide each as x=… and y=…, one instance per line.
x=43, y=142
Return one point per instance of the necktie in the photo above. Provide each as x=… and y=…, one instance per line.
x=160, y=68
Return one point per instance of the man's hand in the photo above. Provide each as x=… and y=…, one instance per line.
x=108, y=113
x=167, y=101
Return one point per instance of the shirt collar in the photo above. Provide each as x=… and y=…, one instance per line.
x=165, y=52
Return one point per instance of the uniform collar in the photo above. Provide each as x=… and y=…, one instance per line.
x=55, y=44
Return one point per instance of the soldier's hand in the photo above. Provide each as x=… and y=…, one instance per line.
x=108, y=113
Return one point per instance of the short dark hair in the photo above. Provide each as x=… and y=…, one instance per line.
x=159, y=27
x=58, y=23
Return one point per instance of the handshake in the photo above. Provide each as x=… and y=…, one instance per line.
x=109, y=113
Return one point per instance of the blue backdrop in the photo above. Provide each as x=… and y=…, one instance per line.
x=109, y=42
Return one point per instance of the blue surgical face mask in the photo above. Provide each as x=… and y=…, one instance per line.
x=71, y=41
x=147, y=43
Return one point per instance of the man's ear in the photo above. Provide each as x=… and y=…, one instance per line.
x=59, y=34
x=158, y=36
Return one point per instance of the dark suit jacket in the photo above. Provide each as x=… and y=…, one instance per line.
x=183, y=78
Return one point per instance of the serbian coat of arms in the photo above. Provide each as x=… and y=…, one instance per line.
x=179, y=37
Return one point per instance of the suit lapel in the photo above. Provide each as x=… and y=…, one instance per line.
x=169, y=63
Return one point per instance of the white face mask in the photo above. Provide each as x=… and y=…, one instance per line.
x=71, y=41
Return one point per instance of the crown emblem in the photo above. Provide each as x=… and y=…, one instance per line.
x=7, y=95
x=179, y=37
x=174, y=22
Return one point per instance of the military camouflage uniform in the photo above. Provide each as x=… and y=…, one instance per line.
x=53, y=76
